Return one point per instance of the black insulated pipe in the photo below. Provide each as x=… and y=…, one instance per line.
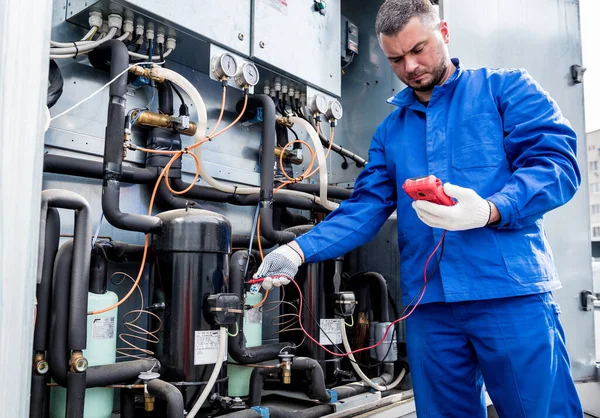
x=75, y=394
x=313, y=412
x=98, y=272
x=378, y=290
x=127, y=403
x=165, y=97
x=79, y=282
x=169, y=393
x=59, y=164
x=267, y=161
x=237, y=345
x=37, y=401
x=257, y=382
x=113, y=143
x=332, y=191
x=44, y=289
x=318, y=389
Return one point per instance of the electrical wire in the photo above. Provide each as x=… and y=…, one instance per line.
x=138, y=333
x=403, y=317
x=349, y=61
x=96, y=92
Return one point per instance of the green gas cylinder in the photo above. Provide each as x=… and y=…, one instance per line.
x=239, y=376
x=101, y=346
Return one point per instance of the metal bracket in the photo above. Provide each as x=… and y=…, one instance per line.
x=577, y=73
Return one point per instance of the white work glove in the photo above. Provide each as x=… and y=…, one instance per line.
x=471, y=211
x=284, y=261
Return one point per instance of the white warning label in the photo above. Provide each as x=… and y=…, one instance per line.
x=206, y=347
x=103, y=328
x=330, y=328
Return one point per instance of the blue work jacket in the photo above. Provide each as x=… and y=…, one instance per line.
x=492, y=130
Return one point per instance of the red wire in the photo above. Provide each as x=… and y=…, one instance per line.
x=389, y=326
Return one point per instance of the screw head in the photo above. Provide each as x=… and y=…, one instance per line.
x=261, y=44
x=241, y=36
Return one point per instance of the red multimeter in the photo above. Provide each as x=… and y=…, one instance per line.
x=428, y=188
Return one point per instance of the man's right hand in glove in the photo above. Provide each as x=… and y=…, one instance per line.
x=278, y=264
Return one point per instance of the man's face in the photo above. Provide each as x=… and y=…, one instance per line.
x=418, y=54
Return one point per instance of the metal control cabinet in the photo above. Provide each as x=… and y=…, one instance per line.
x=293, y=37
x=225, y=22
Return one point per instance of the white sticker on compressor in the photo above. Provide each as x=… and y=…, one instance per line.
x=103, y=328
x=330, y=328
x=206, y=347
x=279, y=5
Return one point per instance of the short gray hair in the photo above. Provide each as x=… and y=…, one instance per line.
x=393, y=15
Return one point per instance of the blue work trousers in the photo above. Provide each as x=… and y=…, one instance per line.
x=515, y=345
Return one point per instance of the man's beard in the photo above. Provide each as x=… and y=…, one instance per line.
x=438, y=75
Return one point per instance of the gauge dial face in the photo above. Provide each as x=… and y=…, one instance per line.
x=250, y=74
x=228, y=65
x=318, y=104
x=335, y=110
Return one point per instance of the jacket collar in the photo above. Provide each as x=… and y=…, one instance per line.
x=407, y=97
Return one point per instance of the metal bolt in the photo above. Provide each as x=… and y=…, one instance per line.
x=241, y=36
x=261, y=44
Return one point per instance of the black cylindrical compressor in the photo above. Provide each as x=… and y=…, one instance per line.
x=191, y=263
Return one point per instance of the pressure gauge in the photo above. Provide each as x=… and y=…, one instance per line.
x=224, y=65
x=334, y=110
x=247, y=76
x=317, y=103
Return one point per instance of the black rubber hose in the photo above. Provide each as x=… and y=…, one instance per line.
x=257, y=381
x=113, y=145
x=60, y=164
x=237, y=345
x=246, y=413
x=169, y=393
x=332, y=191
x=44, y=289
x=127, y=404
x=121, y=252
x=58, y=354
x=267, y=161
x=79, y=286
x=243, y=241
x=167, y=200
x=165, y=97
x=98, y=272
x=56, y=83
x=317, y=378
x=314, y=412
x=127, y=371
x=37, y=401
x=75, y=394
x=379, y=292
x=214, y=195
x=292, y=219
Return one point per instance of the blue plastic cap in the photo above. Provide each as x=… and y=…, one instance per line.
x=263, y=411
x=333, y=394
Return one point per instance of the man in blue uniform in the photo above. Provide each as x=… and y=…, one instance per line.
x=507, y=156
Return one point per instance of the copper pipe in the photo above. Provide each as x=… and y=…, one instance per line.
x=158, y=120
